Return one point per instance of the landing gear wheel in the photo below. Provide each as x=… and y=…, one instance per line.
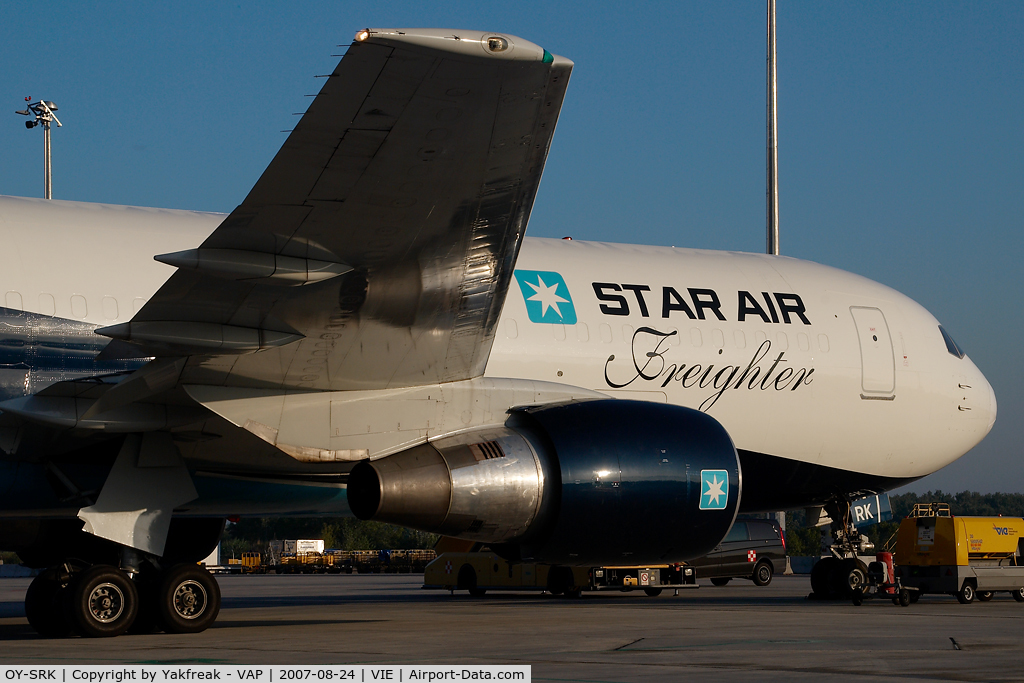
x=653, y=592
x=985, y=596
x=903, y=597
x=44, y=605
x=720, y=581
x=573, y=593
x=103, y=602
x=188, y=599
x=965, y=595
x=821, y=573
x=1018, y=594
x=847, y=576
x=762, y=573
x=914, y=596
x=858, y=598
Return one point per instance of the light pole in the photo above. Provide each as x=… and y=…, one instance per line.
x=773, y=140
x=43, y=111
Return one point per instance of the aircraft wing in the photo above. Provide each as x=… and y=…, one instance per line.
x=376, y=249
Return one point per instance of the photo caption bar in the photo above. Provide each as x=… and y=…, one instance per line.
x=163, y=673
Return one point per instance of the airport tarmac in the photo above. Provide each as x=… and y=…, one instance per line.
x=735, y=633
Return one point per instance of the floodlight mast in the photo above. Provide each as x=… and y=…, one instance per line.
x=43, y=111
x=772, y=245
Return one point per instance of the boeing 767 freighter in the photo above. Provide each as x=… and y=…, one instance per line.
x=370, y=332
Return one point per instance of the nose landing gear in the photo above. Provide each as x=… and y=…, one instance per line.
x=842, y=574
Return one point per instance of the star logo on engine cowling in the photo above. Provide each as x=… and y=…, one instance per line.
x=714, y=487
x=714, y=491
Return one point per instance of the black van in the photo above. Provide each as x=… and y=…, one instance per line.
x=753, y=549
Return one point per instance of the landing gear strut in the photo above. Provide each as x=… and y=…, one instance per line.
x=841, y=574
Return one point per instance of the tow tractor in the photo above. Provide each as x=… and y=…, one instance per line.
x=475, y=569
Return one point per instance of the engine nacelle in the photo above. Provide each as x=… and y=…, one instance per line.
x=581, y=483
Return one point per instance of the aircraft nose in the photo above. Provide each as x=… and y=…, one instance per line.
x=980, y=398
x=991, y=403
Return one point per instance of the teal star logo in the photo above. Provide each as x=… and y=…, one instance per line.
x=714, y=489
x=547, y=297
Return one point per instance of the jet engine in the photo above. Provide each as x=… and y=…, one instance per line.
x=580, y=483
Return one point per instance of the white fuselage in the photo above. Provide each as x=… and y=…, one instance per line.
x=912, y=409
x=811, y=389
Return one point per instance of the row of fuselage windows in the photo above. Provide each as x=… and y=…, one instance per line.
x=694, y=336
x=80, y=306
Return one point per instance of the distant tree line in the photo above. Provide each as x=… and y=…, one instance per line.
x=803, y=540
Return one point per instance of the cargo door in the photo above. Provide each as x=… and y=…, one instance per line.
x=878, y=364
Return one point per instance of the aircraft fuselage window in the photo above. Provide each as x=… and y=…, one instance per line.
x=47, y=306
x=823, y=342
x=950, y=344
x=582, y=332
x=110, y=308
x=13, y=301
x=79, y=307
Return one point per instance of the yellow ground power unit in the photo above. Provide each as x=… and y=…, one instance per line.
x=964, y=556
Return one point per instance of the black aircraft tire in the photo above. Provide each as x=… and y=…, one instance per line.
x=847, y=576
x=652, y=592
x=821, y=577
x=44, y=605
x=187, y=599
x=720, y=581
x=103, y=602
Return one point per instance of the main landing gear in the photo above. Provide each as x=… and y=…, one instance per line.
x=102, y=600
x=842, y=574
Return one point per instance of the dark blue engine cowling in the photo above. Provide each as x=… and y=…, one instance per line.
x=592, y=482
x=637, y=483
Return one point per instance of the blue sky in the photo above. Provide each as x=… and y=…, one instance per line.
x=901, y=133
